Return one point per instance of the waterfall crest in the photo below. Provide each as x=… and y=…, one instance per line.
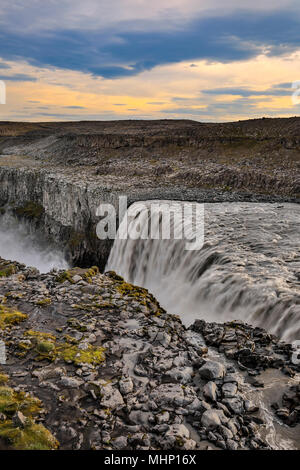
x=247, y=269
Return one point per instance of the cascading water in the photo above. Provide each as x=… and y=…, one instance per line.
x=248, y=268
x=17, y=243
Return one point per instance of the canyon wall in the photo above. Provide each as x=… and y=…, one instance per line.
x=62, y=211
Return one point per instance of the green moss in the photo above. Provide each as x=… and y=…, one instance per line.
x=9, y=317
x=70, y=339
x=91, y=272
x=24, y=346
x=86, y=274
x=3, y=378
x=8, y=270
x=12, y=401
x=30, y=210
x=74, y=323
x=45, y=301
x=138, y=293
x=40, y=335
x=92, y=307
x=114, y=275
x=71, y=353
x=30, y=437
x=47, y=347
x=64, y=276
x=76, y=239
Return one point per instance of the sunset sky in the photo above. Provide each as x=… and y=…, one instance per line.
x=209, y=60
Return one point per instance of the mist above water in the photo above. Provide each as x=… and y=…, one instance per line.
x=18, y=243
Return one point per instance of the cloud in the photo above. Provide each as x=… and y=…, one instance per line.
x=242, y=107
x=283, y=85
x=74, y=107
x=18, y=77
x=126, y=51
x=246, y=92
x=120, y=15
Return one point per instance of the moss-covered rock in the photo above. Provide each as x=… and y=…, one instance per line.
x=7, y=268
x=30, y=210
x=12, y=401
x=3, y=378
x=10, y=317
x=140, y=294
x=46, y=346
x=31, y=436
x=44, y=302
x=86, y=274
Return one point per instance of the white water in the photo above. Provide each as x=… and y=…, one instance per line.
x=247, y=268
x=17, y=243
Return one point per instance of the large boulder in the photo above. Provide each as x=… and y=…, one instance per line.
x=212, y=370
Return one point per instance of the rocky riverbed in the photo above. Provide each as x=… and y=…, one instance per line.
x=95, y=363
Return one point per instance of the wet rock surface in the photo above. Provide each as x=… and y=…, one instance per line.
x=253, y=349
x=288, y=408
x=112, y=370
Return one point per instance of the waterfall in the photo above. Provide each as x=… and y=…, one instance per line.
x=247, y=269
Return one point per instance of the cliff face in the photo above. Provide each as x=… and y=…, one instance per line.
x=63, y=211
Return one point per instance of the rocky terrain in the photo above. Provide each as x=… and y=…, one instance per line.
x=95, y=363
x=257, y=156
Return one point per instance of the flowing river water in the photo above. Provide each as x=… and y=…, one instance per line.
x=247, y=269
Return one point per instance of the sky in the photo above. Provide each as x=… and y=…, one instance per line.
x=206, y=60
